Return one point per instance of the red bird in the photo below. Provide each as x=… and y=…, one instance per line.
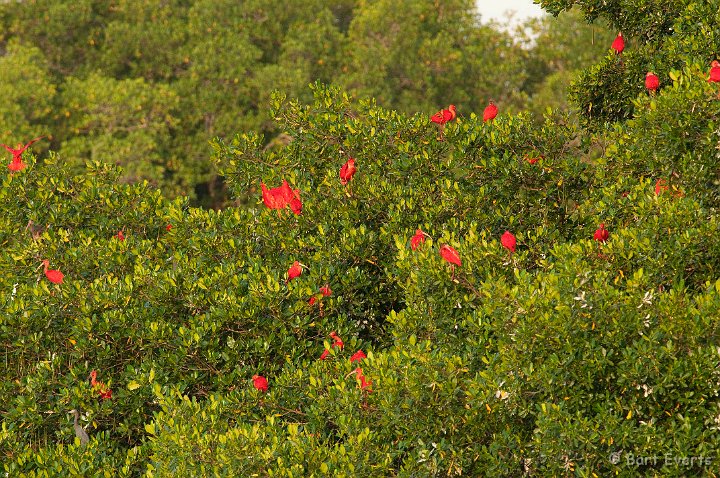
x=417, y=239
x=20, y=148
x=443, y=116
x=337, y=341
x=508, y=241
x=714, y=72
x=282, y=197
x=364, y=383
x=120, y=236
x=54, y=276
x=618, y=44
x=100, y=387
x=294, y=271
x=168, y=227
x=601, y=234
x=325, y=291
x=16, y=165
x=260, y=383
x=295, y=203
x=652, y=82
x=660, y=186
x=450, y=255
x=273, y=198
x=490, y=112
x=347, y=171
x=357, y=356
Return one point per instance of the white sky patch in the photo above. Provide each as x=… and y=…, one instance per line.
x=495, y=10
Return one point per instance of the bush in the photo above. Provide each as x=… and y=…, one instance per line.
x=543, y=359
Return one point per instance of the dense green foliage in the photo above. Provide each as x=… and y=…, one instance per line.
x=147, y=84
x=545, y=361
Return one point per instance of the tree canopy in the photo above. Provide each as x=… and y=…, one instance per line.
x=535, y=294
x=197, y=70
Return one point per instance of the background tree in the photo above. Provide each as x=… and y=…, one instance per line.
x=222, y=60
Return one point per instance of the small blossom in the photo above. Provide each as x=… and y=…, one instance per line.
x=120, y=236
x=168, y=227
x=325, y=354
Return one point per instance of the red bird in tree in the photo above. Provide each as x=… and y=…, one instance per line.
x=714, y=72
x=294, y=271
x=358, y=356
x=100, y=387
x=443, y=116
x=618, y=44
x=652, y=82
x=54, y=276
x=260, y=383
x=508, y=241
x=325, y=291
x=274, y=198
x=16, y=164
x=490, y=112
x=601, y=234
x=660, y=187
x=364, y=383
x=120, y=236
x=417, y=240
x=337, y=342
x=533, y=159
x=295, y=203
x=450, y=255
x=20, y=148
x=347, y=171
x=282, y=197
